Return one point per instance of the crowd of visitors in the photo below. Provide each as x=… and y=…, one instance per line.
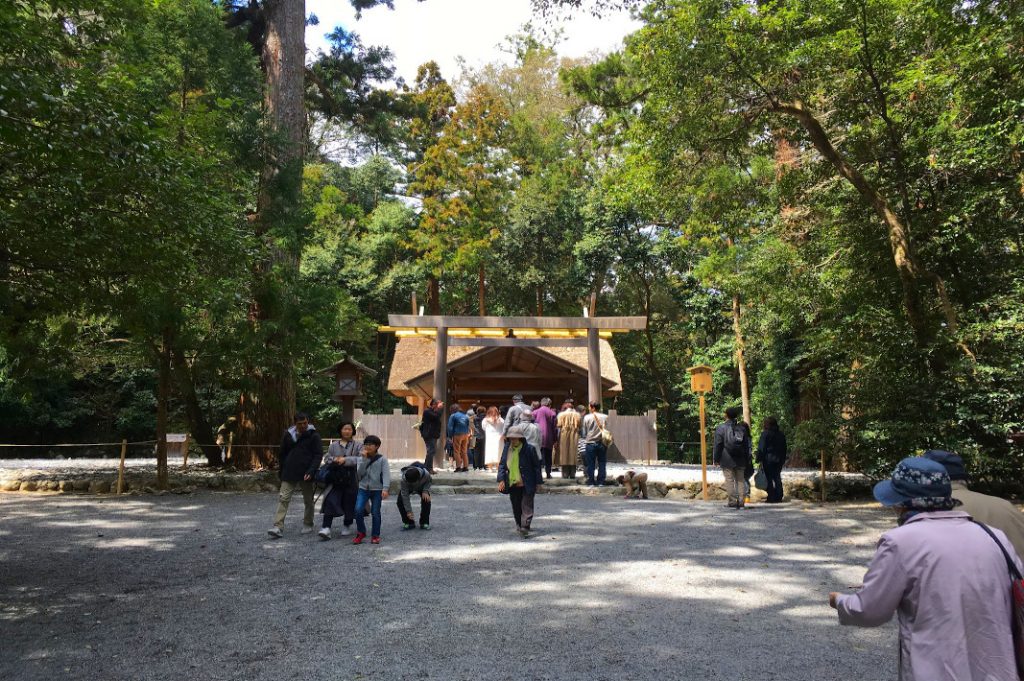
x=950, y=571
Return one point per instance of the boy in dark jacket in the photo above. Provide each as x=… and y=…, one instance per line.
x=300, y=455
x=732, y=453
x=519, y=473
x=415, y=480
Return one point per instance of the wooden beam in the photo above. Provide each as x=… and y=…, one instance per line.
x=520, y=342
x=452, y=321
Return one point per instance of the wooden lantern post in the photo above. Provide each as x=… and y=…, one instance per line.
x=700, y=383
x=348, y=384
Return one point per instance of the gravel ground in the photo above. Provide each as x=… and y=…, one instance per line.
x=661, y=472
x=190, y=587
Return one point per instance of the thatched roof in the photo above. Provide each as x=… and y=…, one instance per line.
x=414, y=358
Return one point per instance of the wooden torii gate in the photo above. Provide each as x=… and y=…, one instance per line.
x=513, y=332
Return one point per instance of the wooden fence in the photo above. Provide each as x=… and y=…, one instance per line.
x=635, y=437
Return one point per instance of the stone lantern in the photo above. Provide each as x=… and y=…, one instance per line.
x=348, y=384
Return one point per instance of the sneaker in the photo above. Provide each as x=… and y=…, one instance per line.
x=425, y=527
x=359, y=538
x=307, y=529
x=345, y=531
x=524, y=532
x=275, y=533
x=408, y=526
x=375, y=540
x=324, y=534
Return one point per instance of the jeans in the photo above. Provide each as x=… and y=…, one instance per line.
x=431, y=446
x=285, y=498
x=406, y=512
x=522, y=506
x=773, y=471
x=596, y=456
x=375, y=497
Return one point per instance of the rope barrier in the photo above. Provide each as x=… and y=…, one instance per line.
x=92, y=444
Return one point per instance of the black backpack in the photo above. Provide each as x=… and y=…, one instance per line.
x=736, y=440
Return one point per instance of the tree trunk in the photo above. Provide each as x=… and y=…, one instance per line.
x=481, y=290
x=433, y=295
x=198, y=426
x=659, y=378
x=163, y=395
x=910, y=272
x=267, y=408
x=741, y=362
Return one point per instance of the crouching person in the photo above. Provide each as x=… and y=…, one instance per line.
x=519, y=474
x=635, y=484
x=415, y=480
x=300, y=455
x=374, y=481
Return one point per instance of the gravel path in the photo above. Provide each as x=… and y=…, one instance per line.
x=190, y=587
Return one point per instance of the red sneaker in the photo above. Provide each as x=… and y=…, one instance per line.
x=375, y=540
x=359, y=538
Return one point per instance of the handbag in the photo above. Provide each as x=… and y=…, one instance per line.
x=761, y=479
x=1016, y=601
x=606, y=435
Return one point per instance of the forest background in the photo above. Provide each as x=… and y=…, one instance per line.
x=823, y=201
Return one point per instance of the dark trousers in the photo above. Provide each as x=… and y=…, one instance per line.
x=545, y=452
x=522, y=506
x=569, y=472
x=424, y=511
x=478, y=452
x=431, y=446
x=773, y=471
x=348, y=495
x=596, y=457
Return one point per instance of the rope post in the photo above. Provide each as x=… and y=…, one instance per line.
x=184, y=451
x=823, y=476
x=231, y=441
x=120, y=468
x=703, y=450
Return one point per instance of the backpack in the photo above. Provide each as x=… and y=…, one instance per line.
x=736, y=440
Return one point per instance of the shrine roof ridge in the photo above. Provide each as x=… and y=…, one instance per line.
x=460, y=321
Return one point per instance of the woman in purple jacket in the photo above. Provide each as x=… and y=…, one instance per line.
x=944, y=576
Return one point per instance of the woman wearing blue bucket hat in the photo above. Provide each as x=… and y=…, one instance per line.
x=944, y=577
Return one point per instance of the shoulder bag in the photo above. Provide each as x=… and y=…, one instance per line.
x=1016, y=601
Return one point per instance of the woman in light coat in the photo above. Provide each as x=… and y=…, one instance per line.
x=945, y=577
x=568, y=439
x=493, y=426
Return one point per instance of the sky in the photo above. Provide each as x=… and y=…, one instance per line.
x=444, y=30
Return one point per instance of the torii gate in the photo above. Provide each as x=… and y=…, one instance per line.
x=513, y=332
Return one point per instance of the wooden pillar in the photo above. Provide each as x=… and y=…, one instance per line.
x=593, y=366
x=348, y=408
x=441, y=389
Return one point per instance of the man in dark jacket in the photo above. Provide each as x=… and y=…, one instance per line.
x=430, y=430
x=519, y=473
x=732, y=453
x=772, y=455
x=300, y=455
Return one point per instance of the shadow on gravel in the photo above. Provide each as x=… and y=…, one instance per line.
x=172, y=587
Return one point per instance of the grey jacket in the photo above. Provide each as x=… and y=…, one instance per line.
x=337, y=450
x=406, y=490
x=373, y=475
x=592, y=427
